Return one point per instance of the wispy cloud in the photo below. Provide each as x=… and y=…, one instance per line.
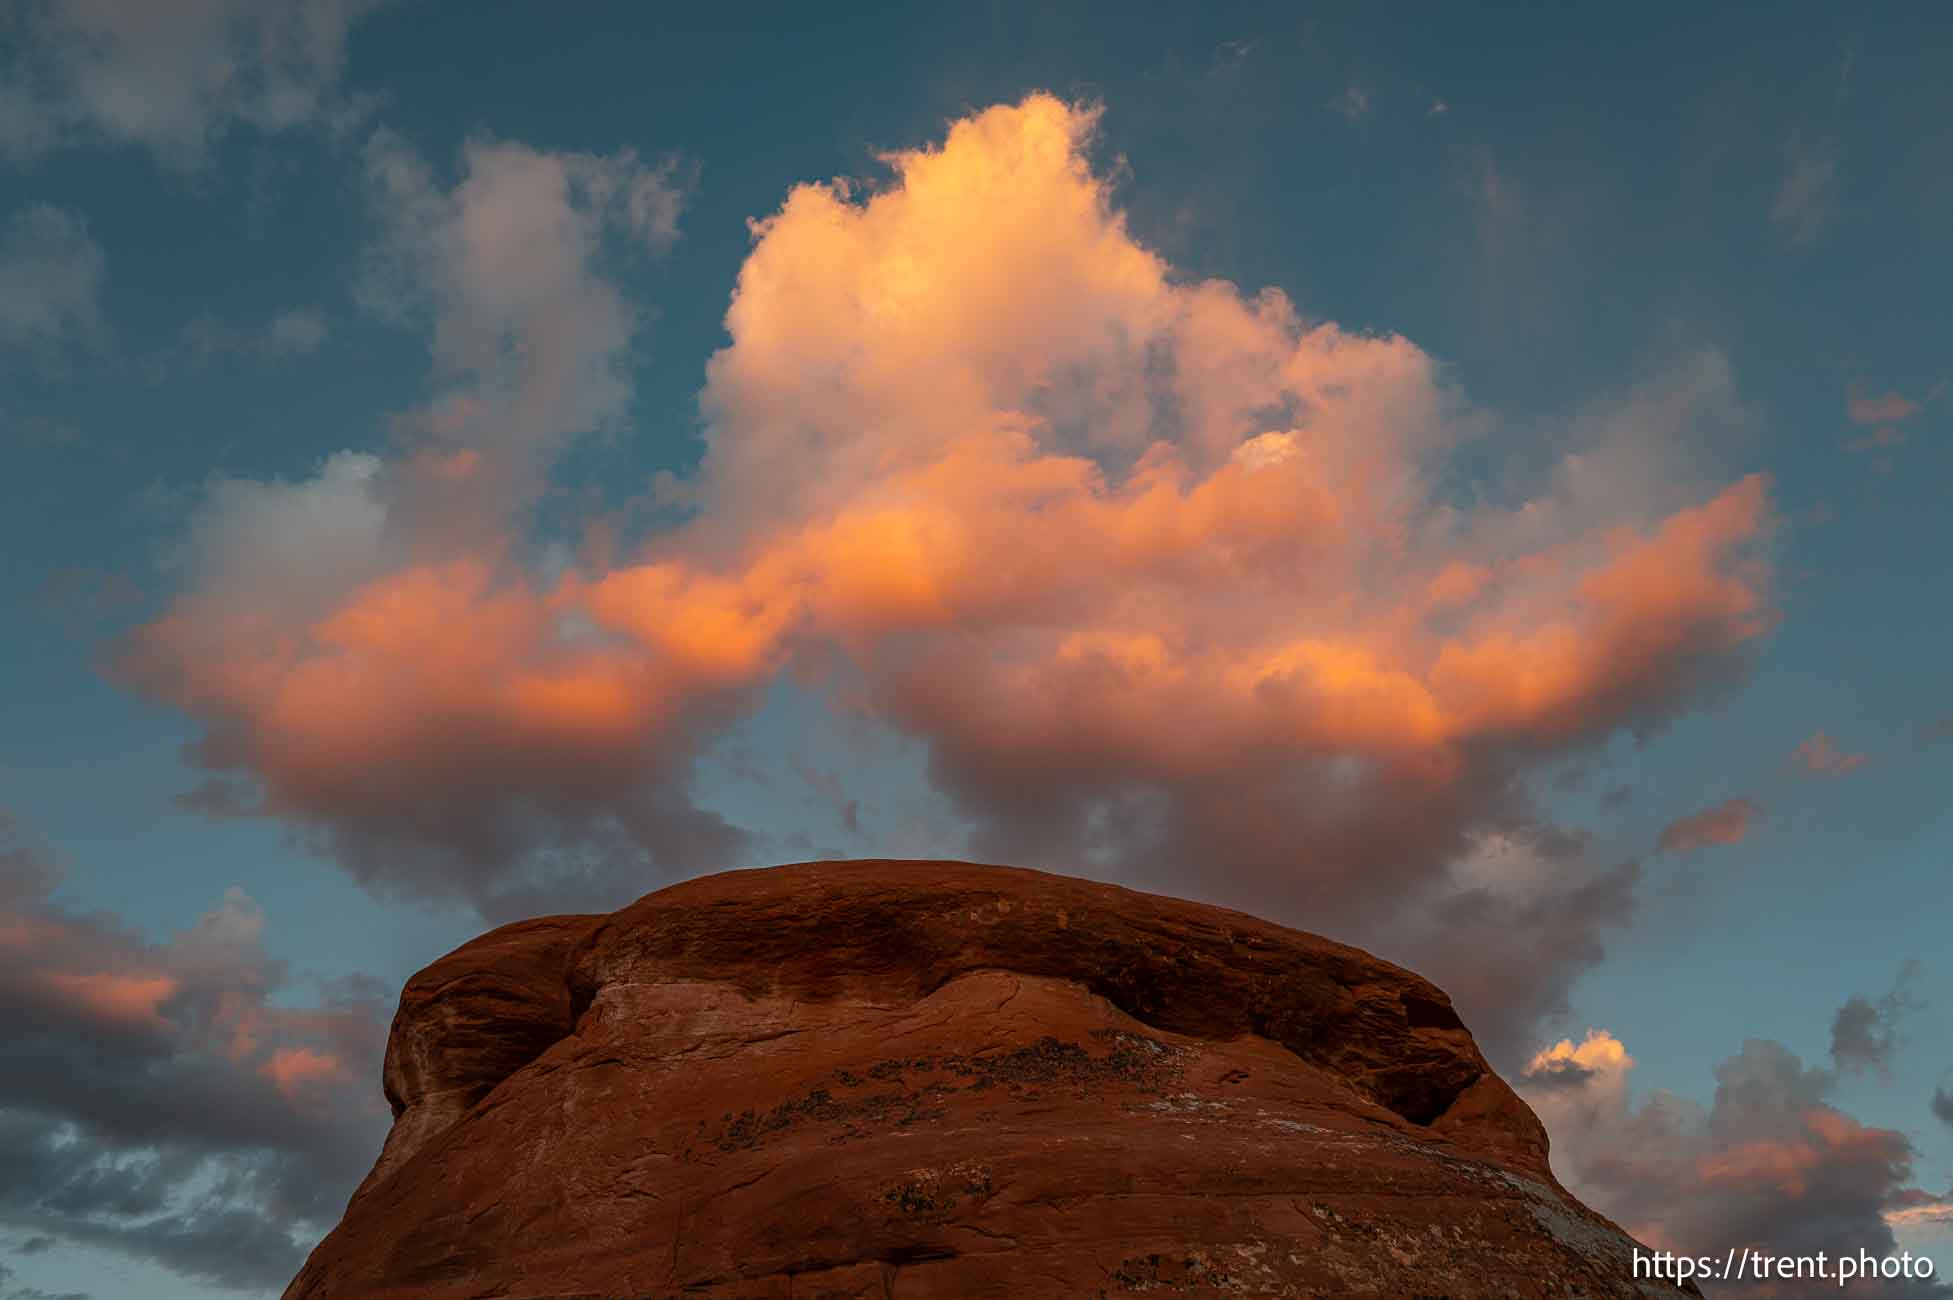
x=1353, y=103
x=1820, y=755
x=1808, y=192
x=171, y=75
x=52, y=274
x=1865, y=1032
x=1728, y=822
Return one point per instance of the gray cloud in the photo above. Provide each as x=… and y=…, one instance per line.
x=167, y=1100
x=1771, y=1165
x=1865, y=1031
x=171, y=75
x=51, y=278
x=1942, y=1104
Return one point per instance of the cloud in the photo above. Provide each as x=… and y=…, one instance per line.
x=1164, y=577
x=174, y=1101
x=1942, y=1104
x=1887, y=411
x=1158, y=571
x=1879, y=439
x=1353, y=103
x=1920, y=1210
x=1727, y=823
x=51, y=278
x=1599, y=1057
x=1808, y=193
x=1865, y=1033
x=1819, y=755
x=365, y=643
x=1772, y=1165
x=1886, y=408
x=297, y=331
x=171, y=75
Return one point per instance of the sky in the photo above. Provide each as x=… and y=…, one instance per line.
x=1474, y=485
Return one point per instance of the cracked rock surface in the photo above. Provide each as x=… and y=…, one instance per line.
x=936, y=1079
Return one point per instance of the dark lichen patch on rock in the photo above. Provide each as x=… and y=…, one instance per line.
x=1194, y=1271
x=932, y=1193
x=749, y=1129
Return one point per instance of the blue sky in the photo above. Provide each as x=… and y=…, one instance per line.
x=1597, y=266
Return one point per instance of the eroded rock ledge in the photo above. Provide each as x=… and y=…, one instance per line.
x=936, y=1079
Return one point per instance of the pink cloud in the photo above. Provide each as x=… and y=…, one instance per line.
x=1820, y=756
x=1158, y=571
x=175, y=1081
x=132, y=1000
x=1772, y=1165
x=1886, y=408
x=1728, y=822
x=298, y=1070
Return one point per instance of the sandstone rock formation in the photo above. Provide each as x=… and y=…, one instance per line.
x=934, y=1079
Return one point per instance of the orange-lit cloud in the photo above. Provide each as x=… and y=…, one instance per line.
x=1163, y=573
x=167, y=1084
x=1598, y=1054
x=1728, y=822
x=133, y=1000
x=1772, y=1165
x=296, y=1070
x=1820, y=756
x=1884, y=408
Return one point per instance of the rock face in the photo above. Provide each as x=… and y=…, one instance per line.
x=934, y=1079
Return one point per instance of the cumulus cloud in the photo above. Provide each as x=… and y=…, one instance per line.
x=1509, y=926
x=366, y=643
x=174, y=1101
x=51, y=278
x=1820, y=755
x=1164, y=576
x=1727, y=823
x=1160, y=570
x=1865, y=1031
x=1771, y=1165
x=170, y=75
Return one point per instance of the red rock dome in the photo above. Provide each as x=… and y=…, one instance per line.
x=935, y=1079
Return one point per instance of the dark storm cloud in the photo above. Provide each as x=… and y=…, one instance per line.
x=164, y=1100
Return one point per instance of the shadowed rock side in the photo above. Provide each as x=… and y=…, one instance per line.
x=935, y=1079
